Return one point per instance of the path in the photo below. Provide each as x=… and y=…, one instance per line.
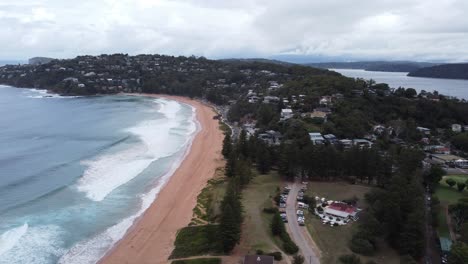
x=299, y=234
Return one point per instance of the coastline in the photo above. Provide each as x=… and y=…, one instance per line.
x=151, y=238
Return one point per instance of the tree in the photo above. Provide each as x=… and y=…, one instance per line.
x=263, y=158
x=231, y=165
x=277, y=225
x=229, y=229
x=407, y=259
x=227, y=145
x=298, y=259
x=243, y=146
x=362, y=246
x=464, y=233
x=458, y=253
x=461, y=186
x=450, y=182
x=459, y=213
x=433, y=176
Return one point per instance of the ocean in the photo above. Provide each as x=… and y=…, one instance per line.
x=450, y=87
x=75, y=172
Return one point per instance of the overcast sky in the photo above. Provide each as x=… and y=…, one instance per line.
x=364, y=29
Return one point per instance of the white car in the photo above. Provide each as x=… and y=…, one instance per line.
x=300, y=212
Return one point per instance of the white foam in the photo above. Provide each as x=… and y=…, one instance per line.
x=39, y=94
x=90, y=251
x=9, y=239
x=38, y=245
x=108, y=172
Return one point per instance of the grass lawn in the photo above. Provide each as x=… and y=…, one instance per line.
x=447, y=196
x=198, y=261
x=197, y=241
x=457, y=178
x=256, y=229
x=333, y=241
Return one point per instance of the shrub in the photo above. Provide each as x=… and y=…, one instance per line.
x=298, y=259
x=259, y=252
x=350, y=259
x=276, y=255
x=270, y=210
x=450, y=182
x=461, y=186
x=361, y=246
x=290, y=247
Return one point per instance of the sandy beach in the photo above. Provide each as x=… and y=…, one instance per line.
x=152, y=237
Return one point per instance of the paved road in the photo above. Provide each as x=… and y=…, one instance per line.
x=299, y=234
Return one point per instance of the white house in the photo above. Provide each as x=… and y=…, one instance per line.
x=316, y=138
x=286, y=113
x=456, y=128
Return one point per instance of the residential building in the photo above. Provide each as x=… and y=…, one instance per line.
x=362, y=143
x=425, y=131
x=345, y=143
x=457, y=128
x=331, y=139
x=286, y=113
x=316, y=138
x=342, y=210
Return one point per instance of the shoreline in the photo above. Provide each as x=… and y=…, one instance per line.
x=151, y=237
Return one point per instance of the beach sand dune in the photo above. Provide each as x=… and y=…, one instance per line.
x=152, y=237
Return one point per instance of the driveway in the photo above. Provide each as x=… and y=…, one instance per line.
x=299, y=234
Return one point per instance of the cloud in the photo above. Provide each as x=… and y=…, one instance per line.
x=384, y=29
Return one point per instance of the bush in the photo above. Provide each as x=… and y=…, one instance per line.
x=259, y=252
x=350, y=259
x=270, y=210
x=461, y=186
x=290, y=247
x=361, y=246
x=276, y=255
x=197, y=240
x=298, y=259
x=450, y=182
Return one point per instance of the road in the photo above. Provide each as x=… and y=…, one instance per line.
x=299, y=234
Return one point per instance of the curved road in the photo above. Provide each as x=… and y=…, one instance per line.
x=299, y=234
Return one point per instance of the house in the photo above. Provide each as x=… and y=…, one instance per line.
x=346, y=143
x=325, y=100
x=362, y=143
x=271, y=99
x=425, y=131
x=319, y=115
x=437, y=149
x=316, y=138
x=258, y=259
x=271, y=137
x=378, y=129
x=449, y=160
x=342, y=210
x=331, y=139
x=286, y=113
x=456, y=128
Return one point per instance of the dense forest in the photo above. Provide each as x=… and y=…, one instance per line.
x=446, y=71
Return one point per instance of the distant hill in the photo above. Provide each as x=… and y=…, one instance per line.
x=39, y=60
x=385, y=66
x=10, y=62
x=260, y=60
x=445, y=71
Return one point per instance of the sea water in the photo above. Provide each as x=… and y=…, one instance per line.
x=450, y=87
x=75, y=172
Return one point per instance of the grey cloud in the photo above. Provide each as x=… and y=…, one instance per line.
x=384, y=29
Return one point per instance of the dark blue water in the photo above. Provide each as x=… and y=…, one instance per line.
x=76, y=171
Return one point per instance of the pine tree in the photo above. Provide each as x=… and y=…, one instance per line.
x=229, y=229
x=263, y=158
x=243, y=146
x=277, y=226
x=231, y=165
x=227, y=145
